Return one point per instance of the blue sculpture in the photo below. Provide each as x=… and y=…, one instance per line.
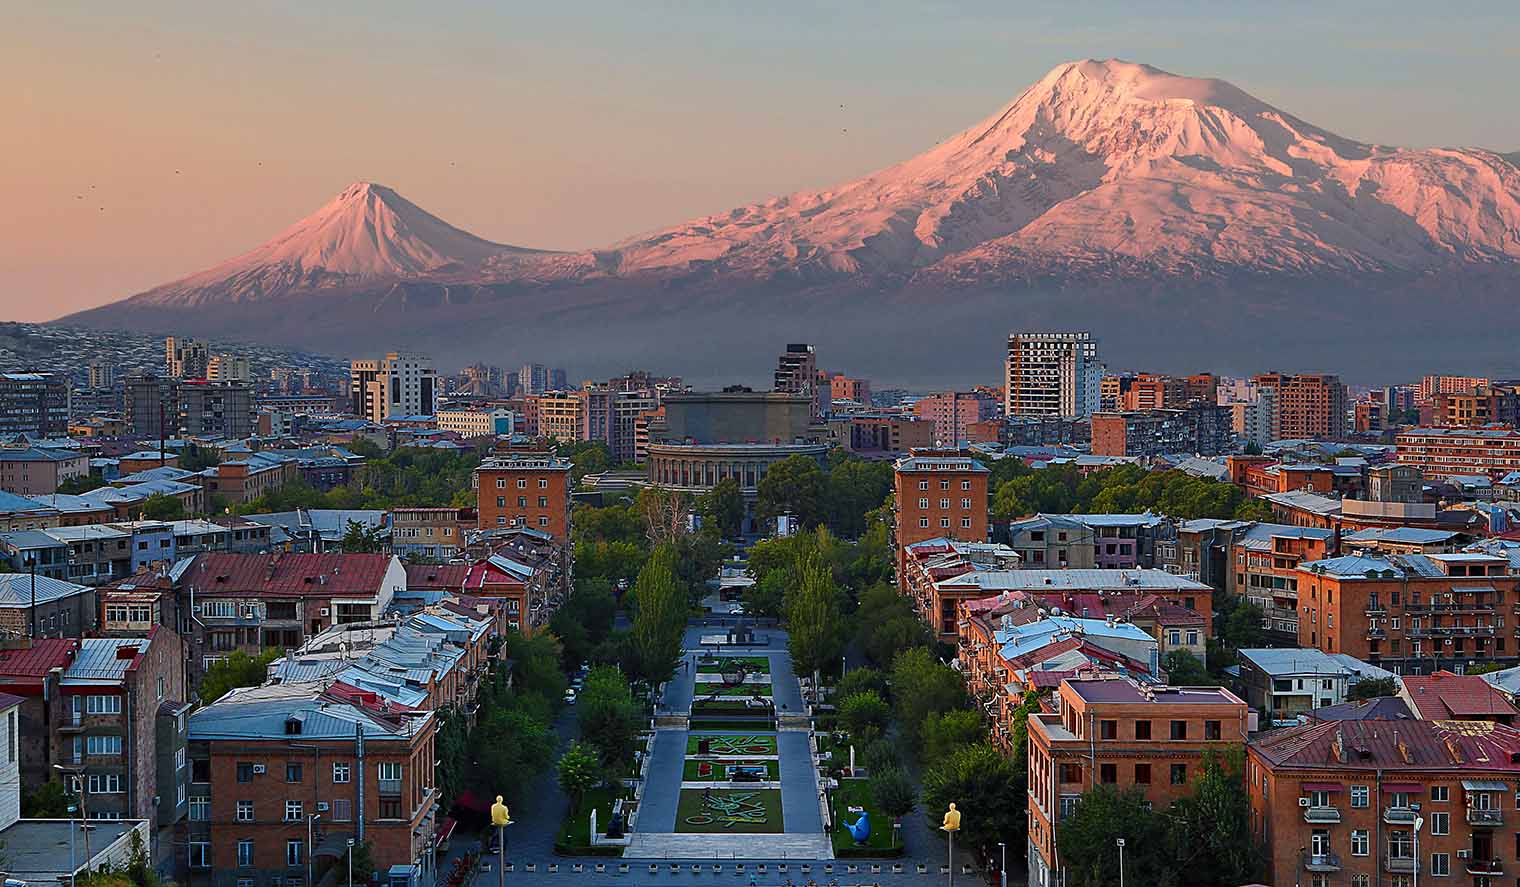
x=861, y=830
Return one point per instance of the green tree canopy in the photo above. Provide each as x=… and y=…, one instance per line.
x=988, y=787
x=722, y=507
x=947, y=731
x=161, y=507
x=580, y=771
x=238, y=669
x=609, y=716
x=1184, y=670
x=794, y=486
x=814, y=625
x=660, y=619
x=921, y=686
x=1372, y=688
x=1086, y=841
x=864, y=715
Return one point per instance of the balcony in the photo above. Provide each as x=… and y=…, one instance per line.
x=1399, y=865
x=1322, y=815
x=1485, y=818
x=1453, y=631
x=390, y=786
x=1485, y=866
x=1376, y=610
x=1321, y=862
x=1399, y=815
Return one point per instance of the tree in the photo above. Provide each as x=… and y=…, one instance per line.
x=537, y=677
x=947, y=731
x=50, y=801
x=580, y=771
x=1209, y=830
x=862, y=680
x=1086, y=840
x=922, y=686
x=988, y=786
x=1372, y=688
x=864, y=715
x=161, y=507
x=360, y=538
x=507, y=743
x=1184, y=670
x=767, y=597
x=813, y=621
x=237, y=670
x=609, y=716
x=894, y=794
x=722, y=507
x=661, y=617
x=361, y=861
x=794, y=486
x=854, y=488
x=887, y=625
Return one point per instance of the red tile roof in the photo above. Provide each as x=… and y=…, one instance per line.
x=484, y=574
x=1401, y=745
x=436, y=577
x=37, y=660
x=324, y=575
x=1445, y=695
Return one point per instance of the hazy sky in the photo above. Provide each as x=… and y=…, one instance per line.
x=142, y=141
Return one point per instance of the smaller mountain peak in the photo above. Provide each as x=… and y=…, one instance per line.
x=1118, y=78
x=361, y=189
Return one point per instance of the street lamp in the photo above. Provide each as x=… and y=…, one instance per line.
x=1419, y=823
x=1003, y=866
x=1119, y=842
x=76, y=783
x=311, y=819
x=350, y=863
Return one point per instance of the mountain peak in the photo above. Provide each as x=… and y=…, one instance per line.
x=1109, y=79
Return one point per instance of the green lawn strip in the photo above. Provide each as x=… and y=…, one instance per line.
x=743, y=690
x=692, y=806
x=736, y=745
x=711, y=723
x=752, y=664
x=692, y=773
x=857, y=793
x=575, y=832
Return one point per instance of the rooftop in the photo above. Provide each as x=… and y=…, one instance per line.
x=331, y=575
x=16, y=589
x=1445, y=695
x=1076, y=580
x=1128, y=692
x=1460, y=746
x=1294, y=661
x=104, y=660
x=36, y=660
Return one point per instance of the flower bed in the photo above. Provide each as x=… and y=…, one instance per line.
x=735, y=745
x=720, y=771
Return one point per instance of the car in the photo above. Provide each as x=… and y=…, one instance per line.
x=570, y=697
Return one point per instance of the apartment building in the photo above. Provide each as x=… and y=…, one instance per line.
x=1283, y=683
x=44, y=607
x=395, y=385
x=1410, y=613
x=938, y=493
x=797, y=373
x=35, y=471
x=430, y=533
x=1447, y=452
x=1372, y=802
x=524, y=490
x=1122, y=733
x=31, y=668
x=1266, y=560
x=476, y=423
x=1052, y=374
x=1431, y=386
x=34, y=403
x=954, y=413
x=287, y=771
x=247, y=478
x=1311, y=405
x=216, y=409
x=843, y=387
x=1202, y=429
x=185, y=358
x=524, y=573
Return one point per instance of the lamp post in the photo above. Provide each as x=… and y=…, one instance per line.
x=311, y=819
x=1003, y=866
x=501, y=818
x=951, y=825
x=77, y=783
x=1419, y=823
x=1119, y=842
x=350, y=862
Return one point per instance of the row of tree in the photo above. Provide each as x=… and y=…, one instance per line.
x=1018, y=490
x=839, y=497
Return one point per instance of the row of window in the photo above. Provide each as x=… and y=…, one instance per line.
x=944, y=523
x=1109, y=729
x=944, y=504
x=522, y=501
x=520, y=521
x=342, y=771
x=522, y=483
x=1108, y=774
x=944, y=484
x=295, y=855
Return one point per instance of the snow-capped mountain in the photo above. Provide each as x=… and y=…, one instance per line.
x=1103, y=173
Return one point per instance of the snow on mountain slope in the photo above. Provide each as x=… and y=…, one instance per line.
x=1113, y=160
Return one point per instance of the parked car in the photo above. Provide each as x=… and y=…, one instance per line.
x=570, y=696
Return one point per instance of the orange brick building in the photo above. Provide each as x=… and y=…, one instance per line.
x=1336, y=802
x=1121, y=733
x=525, y=490
x=1308, y=406
x=1411, y=613
x=1444, y=452
x=938, y=493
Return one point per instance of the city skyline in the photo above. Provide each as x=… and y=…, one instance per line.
x=150, y=146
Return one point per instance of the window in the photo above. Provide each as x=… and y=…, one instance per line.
x=1179, y=774
x=543, y=521
x=1142, y=774
x=244, y=811
x=501, y=483
x=1071, y=773
x=1440, y=823
x=923, y=503
x=104, y=784
x=390, y=770
x=944, y=504
x=245, y=854
x=1359, y=794
x=1108, y=774
x=522, y=483
x=102, y=745
x=342, y=810
x=200, y=770
x=341, y=772
x=292, y=772
x=944, y=523
x=923, y=523
x=244, y=882
x=1440, y=793
x=294, y=853
x=923, y=485
x=1361, y=842
x=102, y=705
x=200, y=854
x=965, y=503
x=244, y=771
x=522, y=501
x=390, y=808
x=292, y=811
x=1069, y=805
x=1440, y=863
x=200, y=808
x=1142, y=729
x=1174, y=637
x=965, y=523
x=1211, y=730
x=1179, y=729
x=1108, y=729
x=1361, y=880
x=944, y=484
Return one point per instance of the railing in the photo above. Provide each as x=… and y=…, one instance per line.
x=389, y=786
x=1399, y=864
x=1399, y=815
x=1488, y=817
x=1485, y=866
x=1322, y=814
x=1445, y=631
x=1449, y=608
x=1321, y=862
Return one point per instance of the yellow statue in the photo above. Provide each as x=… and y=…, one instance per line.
x=952, y=821
x=499, y=815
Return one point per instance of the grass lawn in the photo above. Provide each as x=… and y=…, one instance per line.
x=749, y=811
x=575, y=832
x=752, y=664
x=857, y=793
x=711, y=771
x=743, y=744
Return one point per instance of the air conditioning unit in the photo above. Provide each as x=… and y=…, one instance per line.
x=258, y=769
x=1465, y=853
x=326, y=611
x=1448, y=642
x=321, y=806
x=1303, y=802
